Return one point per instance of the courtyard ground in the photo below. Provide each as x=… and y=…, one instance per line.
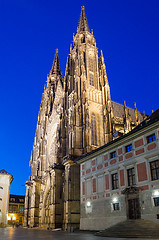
x=10, y=233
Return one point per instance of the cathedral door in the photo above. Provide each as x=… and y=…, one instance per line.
x=134, y=208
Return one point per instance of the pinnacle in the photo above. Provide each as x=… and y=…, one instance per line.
x=83, y=23
x=56, y=64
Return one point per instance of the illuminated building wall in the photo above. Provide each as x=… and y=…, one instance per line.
x=120, y=180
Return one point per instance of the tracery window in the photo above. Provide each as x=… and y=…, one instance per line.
x=93, y=130
x=91, y=80
x=91, y=64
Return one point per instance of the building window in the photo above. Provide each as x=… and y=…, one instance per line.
x=154, y=166
x=115, y=206
x=131, y=176
x=115, y=181
x=10, y=208
x=12, y=199
x=91, y=80
x=91, y=63
x=151, y=138
x=15, y=208
x=128, y=148
x=113, y=154
x=21, y=209
x=94, y=130
x=156, y=201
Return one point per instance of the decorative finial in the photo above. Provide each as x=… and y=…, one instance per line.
x=82, y=7
x=57, y=50
x=135, y=105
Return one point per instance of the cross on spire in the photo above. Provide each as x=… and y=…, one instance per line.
x=83, y=23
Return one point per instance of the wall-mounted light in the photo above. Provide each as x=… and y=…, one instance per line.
x=115, y=200
x=88, y=204
x=156, y=193
x=13, y=218
x=9, y=217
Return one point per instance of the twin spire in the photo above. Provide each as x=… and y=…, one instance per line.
x=82, y=26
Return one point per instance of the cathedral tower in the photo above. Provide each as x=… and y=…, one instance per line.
x=76, y=116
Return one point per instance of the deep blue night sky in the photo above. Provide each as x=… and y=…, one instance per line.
x=30, y=30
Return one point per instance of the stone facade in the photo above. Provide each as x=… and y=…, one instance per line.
x=5, y=181
x=76, y=116
x=120, y=180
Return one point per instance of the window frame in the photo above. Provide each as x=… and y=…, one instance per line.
x=93, y=130
x=156, y=201
x=154, y=170
x=116, y=206
x=115, y=181
x=113, y=154
x=151, y=138
x=128, y=148
x=131, y=176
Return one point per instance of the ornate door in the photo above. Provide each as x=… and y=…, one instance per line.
x=134, y=208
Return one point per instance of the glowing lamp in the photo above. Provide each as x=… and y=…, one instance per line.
x=156, y=193
x=115, y=200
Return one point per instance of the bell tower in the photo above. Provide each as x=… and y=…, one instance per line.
x=87, y=87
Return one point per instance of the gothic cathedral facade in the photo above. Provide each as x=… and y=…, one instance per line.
x=76, y=116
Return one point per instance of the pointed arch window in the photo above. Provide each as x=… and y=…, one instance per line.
x=93, y=130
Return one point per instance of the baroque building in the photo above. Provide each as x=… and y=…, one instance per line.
x=76, y=116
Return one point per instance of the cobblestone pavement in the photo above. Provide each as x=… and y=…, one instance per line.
x=10, y=233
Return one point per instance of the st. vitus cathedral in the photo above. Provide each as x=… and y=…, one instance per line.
x=76, y=116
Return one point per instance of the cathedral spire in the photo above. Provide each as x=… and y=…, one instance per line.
x=83, y=23
x=56, y=64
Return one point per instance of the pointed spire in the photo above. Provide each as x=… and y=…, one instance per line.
x=101, y=58
x=56, y=64
x=137, y=120
x=67, y=66
x=83, y=23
